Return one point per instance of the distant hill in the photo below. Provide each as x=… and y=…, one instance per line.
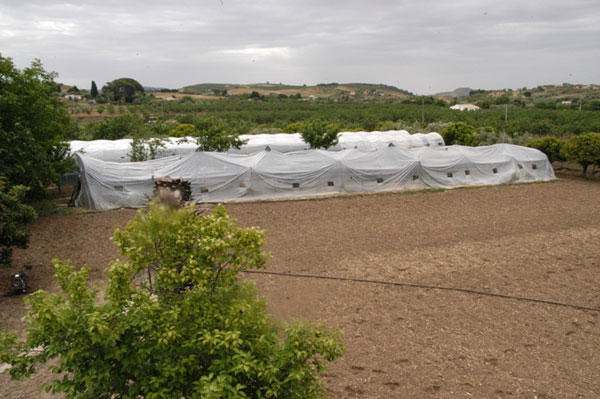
x=460, y=92
x=150, y=88
x=322, y=90
x=542, y=93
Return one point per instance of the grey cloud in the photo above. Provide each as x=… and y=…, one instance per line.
x=422, y=46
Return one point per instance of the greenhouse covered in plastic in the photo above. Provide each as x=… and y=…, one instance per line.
x=217, y=177
x=120, y=150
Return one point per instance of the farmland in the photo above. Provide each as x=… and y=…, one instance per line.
x=561, y=111
x=535, y=240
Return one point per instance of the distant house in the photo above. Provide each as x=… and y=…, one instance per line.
x=566, y=102
x=170, y=98
x=75, y=97
x=465, y=107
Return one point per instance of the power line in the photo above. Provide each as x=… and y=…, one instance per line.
x=428, y=286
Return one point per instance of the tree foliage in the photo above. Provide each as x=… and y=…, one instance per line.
x=583, y=149
x=123, y=89
x=126, y=125
x=320, y=134
x=94, y=90
x=551, y=146
x=13, y=218
x=214, y=135
x=33, y=125
x=192, y=330
x=143, y=148
x=184, y=130
x=459, y=133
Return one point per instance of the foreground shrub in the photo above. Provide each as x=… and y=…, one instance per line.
x=191, y=330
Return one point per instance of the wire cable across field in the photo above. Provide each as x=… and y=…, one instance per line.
x=428, y=286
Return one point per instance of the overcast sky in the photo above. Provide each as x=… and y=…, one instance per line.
x=423, y=46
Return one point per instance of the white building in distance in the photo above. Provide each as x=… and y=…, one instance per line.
x=465, y=107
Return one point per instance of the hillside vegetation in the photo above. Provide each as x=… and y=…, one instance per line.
x=543, y=96
x=322, y=90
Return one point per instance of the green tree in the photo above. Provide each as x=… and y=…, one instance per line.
x=551, y=146
x=294, y=127
x=459, y=133
x=184, y=130
x=126, y=125
x=320, y=134
x=94, y=90
x=214, y=135
x=193, y=329
x=583, y=149
x=123, y=89
x=13, y=218
x=502, y=100
x=143, y=148
x=33, y=126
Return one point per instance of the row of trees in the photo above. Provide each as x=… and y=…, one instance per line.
x=368, y=115
x=583, y=149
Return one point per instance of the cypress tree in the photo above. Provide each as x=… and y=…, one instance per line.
x=94, y=90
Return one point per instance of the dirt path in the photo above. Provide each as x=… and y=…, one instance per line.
x=537, y=240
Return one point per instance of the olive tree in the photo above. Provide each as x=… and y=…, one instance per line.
x=191, y=329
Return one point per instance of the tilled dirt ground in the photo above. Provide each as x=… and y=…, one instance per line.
x=537, y=240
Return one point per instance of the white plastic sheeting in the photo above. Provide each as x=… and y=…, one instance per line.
x=119, y=150
x=271, y=174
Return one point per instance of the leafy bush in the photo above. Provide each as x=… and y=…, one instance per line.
x=192, y=330
x=459, y=133
x=551, y=146
x=320, y=134
x=584, y=149
x=13, y=218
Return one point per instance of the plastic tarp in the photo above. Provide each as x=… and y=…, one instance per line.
x=120, y=150
x=217, y=177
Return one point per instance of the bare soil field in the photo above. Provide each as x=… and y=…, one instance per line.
x=536, y=240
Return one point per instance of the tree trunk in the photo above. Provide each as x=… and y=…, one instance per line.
x=585, y=168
